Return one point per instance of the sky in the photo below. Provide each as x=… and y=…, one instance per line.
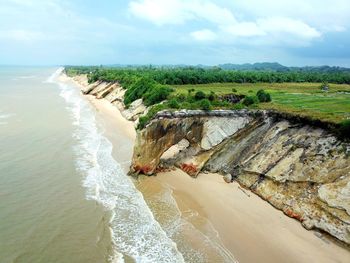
x=90, y=32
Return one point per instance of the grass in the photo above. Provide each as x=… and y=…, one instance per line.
x=304, y=99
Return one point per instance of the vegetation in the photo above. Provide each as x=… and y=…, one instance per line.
x=304, y=99
x=263, y=96
x=299, y=91
x=249, y=100
x=196, y=75
x=344, y=130
x=205, y=104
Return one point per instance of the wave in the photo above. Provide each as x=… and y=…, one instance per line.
x=27, y=77
x=180, y=227
x=53, y=77
x=135, y=232
x=4, y=117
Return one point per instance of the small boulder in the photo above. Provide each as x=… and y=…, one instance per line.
x=228, y=178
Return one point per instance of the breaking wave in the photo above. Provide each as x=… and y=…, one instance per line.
x=135, y=232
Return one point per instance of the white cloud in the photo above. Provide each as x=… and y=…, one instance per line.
x=203, y=35
x=161, y=12
x=244, y=29
x=320, y=14
x=21, y=35
x=288, y=26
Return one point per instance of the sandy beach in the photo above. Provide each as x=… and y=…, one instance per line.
x=247, y=226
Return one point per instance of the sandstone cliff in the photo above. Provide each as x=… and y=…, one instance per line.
x=113, y=93
x=302, y=170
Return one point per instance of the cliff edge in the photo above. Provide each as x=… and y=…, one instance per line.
x=300, y=169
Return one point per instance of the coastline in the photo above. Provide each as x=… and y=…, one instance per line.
x=250, y=228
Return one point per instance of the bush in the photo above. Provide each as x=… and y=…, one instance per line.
x=199, y=95
x=211, y=96
x=140, y=87
x=324, y=86
x=181, y=97
x=143, y=120
x=204, y=104
x=248, y=100
x=156, y=94
x=173, y=103
x=190, y=91
x=263, y=96
x=344, y=129
x=238, y=106
x=234, y=90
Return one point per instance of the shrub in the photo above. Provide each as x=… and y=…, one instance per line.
x=211, y=96
x=181, y=97
x=173, y=103
x=190, y=91
x=156, y=94
x=204, y=104
x=234, y=90
x=324, y=86
x=263, y=96
x=238, y=106
x=143, y=120
x=344, y=129
x=199, y=95
x=140, y=87
x=248, y=100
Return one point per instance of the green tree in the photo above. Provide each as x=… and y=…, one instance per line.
x=204, y=104
x=249, y=100
x=199, y=95
x=173, y=103
x=263, y=96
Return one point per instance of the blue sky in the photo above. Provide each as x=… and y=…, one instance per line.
x=292, y=32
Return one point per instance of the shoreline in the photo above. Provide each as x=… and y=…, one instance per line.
x=249, y=227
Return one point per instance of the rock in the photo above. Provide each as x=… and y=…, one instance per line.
x=135, y=109
x=228, y=178
x=217, y=129
x=337, y=194
x=301, y=170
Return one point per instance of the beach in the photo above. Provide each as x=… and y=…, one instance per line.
x=246, y=227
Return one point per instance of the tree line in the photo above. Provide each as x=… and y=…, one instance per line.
x=195, y=75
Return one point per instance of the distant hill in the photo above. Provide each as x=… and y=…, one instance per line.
x=262, y=66
x=256, y=66
x=274, y=66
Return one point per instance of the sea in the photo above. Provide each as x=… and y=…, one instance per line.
x=63, y=196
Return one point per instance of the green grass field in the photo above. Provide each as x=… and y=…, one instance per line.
x=306, y=99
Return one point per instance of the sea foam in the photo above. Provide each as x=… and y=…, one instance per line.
x=4, y=117
x=135, y=232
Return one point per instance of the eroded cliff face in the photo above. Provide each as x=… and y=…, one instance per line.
x=302, y=170
x=114, y=93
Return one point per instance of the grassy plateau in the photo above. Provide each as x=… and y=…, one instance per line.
x=306, y=99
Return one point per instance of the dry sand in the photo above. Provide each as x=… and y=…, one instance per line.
x=250, y=228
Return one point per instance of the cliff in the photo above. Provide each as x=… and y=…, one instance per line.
x=300, y=169
x=114, y=93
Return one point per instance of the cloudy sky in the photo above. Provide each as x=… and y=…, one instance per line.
x=292, y=32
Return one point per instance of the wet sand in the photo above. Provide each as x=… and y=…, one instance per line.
x=250, y=228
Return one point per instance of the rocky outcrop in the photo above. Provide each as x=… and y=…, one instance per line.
x=114, y=93
x=300, y=169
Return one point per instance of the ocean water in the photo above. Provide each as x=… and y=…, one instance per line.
x=63, y=198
